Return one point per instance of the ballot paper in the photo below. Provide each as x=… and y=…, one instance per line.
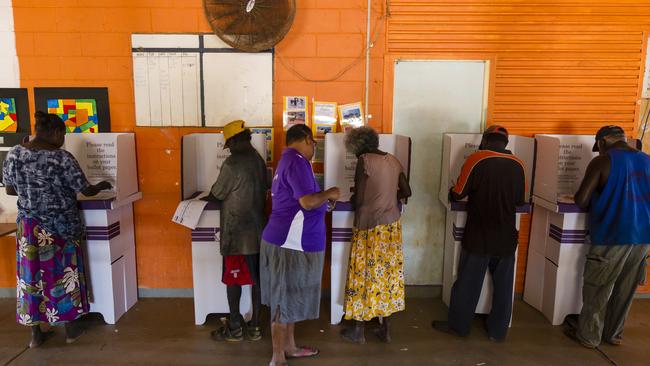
x=189, y=211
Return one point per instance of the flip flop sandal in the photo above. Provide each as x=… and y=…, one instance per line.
x=225, y=334
x=303, y=352
x=254, y=333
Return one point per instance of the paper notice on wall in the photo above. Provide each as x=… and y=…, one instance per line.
x=99, y=162
x=188, y=213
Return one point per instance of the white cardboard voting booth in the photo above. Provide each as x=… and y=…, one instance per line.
x=203, y=155
x=340, y=167
x=456, y=149
x=558, y=235
x=108, y=217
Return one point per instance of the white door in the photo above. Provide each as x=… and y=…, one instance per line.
x=431, y=98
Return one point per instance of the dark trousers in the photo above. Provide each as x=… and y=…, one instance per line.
x=467, y=290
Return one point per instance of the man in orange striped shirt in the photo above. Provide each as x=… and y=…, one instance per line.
x=494, y=181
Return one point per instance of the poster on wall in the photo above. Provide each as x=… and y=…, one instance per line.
x=14, y=111
x=268, y=132
x=83, y=110
x=294, y=111
x=324, y=118
x=351, y=116
x=14, y=115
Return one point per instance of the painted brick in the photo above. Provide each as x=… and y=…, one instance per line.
x=316, y=21
x=79, y=20
x=25, y=44
x=339, y=45
x=57, y=44
x=106, y=44
x=129, y=20
x=175, y=20
x=35, y=19
x=342, y=92
x=297, y=45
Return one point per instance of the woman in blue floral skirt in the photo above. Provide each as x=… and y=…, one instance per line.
x=51, y=279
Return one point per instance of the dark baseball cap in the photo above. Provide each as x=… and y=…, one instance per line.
x=607, y=131
x=497, y=130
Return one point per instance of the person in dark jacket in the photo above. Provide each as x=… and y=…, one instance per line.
x=495, y=182
x=241, y=187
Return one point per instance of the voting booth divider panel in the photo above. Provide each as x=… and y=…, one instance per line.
x=559, y=232
x=108, y=217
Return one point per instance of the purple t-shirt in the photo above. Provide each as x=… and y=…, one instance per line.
x=290, y=226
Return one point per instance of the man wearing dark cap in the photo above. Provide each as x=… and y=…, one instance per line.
x=495, y=182
x=616, y=190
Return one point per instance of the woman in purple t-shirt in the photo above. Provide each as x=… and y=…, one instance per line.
x=293, y=245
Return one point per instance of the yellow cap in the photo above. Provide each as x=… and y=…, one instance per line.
x=233, y=128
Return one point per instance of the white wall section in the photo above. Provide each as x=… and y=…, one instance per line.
x=9, y=69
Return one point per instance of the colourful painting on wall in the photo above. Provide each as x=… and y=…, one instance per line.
x=8, y=115
x=79, y=115
x=84, y=110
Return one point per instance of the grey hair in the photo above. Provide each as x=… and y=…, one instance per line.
x=361, y=140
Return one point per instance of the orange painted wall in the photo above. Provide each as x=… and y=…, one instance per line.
x=87, y=43
x=561, y=66
x=557, y=66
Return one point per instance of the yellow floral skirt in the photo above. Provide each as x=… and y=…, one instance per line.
x=375, y=284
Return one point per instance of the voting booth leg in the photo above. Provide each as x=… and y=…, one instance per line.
x=556, y=259
x=342, y=222
x=110, y=259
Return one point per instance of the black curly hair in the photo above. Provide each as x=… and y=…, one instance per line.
x=47, y=124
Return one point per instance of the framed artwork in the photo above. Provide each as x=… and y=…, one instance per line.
x=324, y=118
x=351, y=116
x=268, y=131
x=83, y=110
x=295, y=111
x=14, y=111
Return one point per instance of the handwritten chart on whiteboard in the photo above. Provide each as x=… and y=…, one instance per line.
x=196, y=80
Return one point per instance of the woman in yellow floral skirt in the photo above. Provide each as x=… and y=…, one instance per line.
x=375, y=283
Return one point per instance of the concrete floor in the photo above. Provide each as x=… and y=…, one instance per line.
x=162, y=332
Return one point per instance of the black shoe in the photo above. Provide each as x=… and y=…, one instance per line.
x=72, y=332
x=443, y=326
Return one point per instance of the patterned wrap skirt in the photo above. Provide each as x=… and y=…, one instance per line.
x=375, y=284
x=50, y=274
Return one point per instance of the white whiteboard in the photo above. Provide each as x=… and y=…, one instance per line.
x=238, y=86
x=432, y=98
x=169, y=90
